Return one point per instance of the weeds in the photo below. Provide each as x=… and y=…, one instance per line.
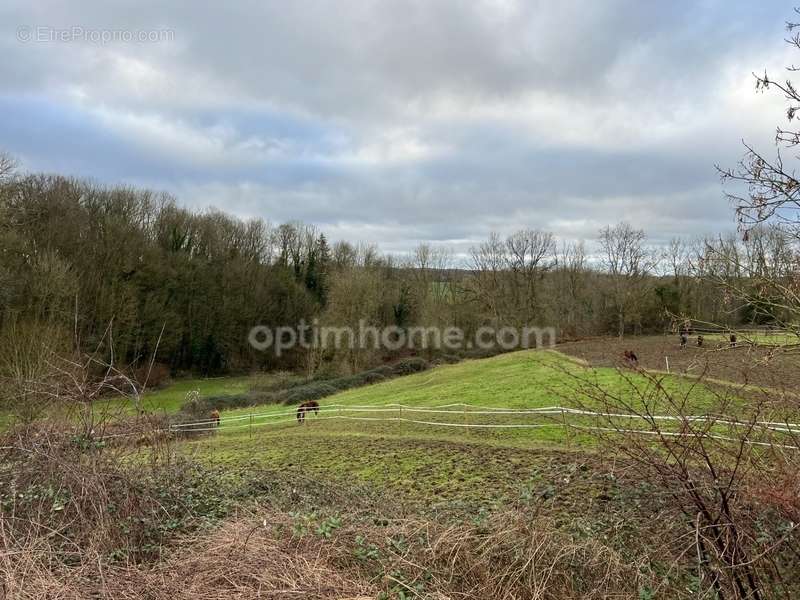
x=78, y=494
x=95, y=520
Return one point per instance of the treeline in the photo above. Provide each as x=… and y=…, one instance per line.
x=123, y=269
x=130, y=267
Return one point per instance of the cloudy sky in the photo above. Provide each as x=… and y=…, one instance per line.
x=398, y=121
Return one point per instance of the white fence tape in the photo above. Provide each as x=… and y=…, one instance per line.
x=566, y=415
x=468, y=409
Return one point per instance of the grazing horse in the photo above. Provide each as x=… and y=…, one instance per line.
x=631, y=358
x=215, y=418
x=311, y=405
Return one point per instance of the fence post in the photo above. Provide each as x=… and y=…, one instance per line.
x=251, y=425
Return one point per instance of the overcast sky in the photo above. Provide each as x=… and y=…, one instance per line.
x=401, y=120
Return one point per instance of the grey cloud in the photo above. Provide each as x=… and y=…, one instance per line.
x=401, y=120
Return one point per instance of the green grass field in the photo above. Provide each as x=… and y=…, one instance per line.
x=518, y=380
x=779, y=338
x=379, y=445
x=438, y=460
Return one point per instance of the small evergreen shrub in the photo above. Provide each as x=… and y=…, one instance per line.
x=407, y=366
x=312, y=391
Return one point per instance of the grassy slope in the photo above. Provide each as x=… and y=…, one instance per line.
x=434, y=461
x=526, y=379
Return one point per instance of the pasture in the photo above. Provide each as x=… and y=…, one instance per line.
x=372, y=489
x=472, y=430
x=460, y=444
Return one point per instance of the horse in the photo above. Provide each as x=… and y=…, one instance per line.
x=310, y=405
x=631, y=358
x=215, y=417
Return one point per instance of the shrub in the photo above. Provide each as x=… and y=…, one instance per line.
x=343, y=383
x=369, y=377
x=385, y=370
x=312, y=391
x=449, y=359
x=483, y=352
x=93, y=499
x=407, y=366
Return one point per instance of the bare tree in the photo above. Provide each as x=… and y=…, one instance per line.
x=766, y=191
x=8, y=165
x=432, y=290
x=508, y=274
x=677, y=255
x=628, y=263
x=488, y=263
x=757, y=275
x=570, y=294
x=530, y=254
x=771, y=190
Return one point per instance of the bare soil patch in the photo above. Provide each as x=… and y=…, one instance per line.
x=744, y=364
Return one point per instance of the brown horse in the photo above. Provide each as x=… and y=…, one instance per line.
x=215, y=417
x=311, y=405
x=630, y=358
